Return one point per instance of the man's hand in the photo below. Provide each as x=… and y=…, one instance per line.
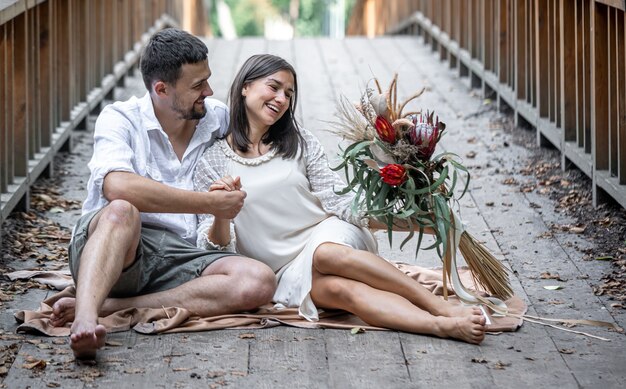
x=227, y=204
x=224, y=187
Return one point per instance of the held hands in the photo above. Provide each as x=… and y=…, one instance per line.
x=227, y=183
x=230, y=197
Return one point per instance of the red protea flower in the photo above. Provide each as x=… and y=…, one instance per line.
x=385, y=130
x=393, y=174
x=425, y=134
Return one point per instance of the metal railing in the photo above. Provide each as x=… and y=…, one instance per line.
x=59, y=59
x=558, y=64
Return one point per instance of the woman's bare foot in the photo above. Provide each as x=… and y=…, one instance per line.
x=86, y=338
x=63, y=311
x=470, y=329
x=457, y=310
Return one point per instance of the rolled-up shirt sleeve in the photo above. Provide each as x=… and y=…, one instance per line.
x=112, y=150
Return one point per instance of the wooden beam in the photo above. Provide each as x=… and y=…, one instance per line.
x=612, y=89
x=4, y=110
x=621, y=133
x=568, y=61
x=599, y=87
x=64, y=81
x=542, y=39
x=503, y=41
x=20, y=94
x=46, y=76
x=521, y=36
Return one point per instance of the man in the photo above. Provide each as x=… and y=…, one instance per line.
x=134, y=245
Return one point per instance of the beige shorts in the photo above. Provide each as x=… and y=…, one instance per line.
x=163, y=261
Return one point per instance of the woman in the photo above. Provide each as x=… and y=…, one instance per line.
x=292, y=220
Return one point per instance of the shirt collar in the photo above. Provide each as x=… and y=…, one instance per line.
x=206, y=126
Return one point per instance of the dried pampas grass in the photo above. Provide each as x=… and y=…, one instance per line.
x=487, y=271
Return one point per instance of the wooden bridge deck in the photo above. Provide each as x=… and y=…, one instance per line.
x=514, y=224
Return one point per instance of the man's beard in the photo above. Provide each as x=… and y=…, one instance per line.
x=188, y=114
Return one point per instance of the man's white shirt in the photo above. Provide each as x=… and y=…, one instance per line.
x=129, y=138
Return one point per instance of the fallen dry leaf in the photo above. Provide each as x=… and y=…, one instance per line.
x=357, y=330
x=567, y=351
x=247, y=336
x=501, y=365
x=39, y=364
x=549, y=276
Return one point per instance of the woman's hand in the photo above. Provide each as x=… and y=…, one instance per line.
x=226, y=183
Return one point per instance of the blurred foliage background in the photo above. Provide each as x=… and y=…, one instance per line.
x=278, y=19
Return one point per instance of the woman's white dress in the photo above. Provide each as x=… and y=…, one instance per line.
x=290, y=209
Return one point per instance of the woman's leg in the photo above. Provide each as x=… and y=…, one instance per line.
x=386, y=309
x=372, y=270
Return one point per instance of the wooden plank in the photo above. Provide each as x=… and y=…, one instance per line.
x=568, y=71
x=356, y=361
x=580, y=81
x=10, y=102
x=475, y=30
x=463, y=26
x=532, y=53
x=521, y=37
x=34, y=125
x=110, y=34
x=289, y=355
x=79, y=32
x=503, y=43
x=612, y=91
x=599, y=87
x=221, y=61
x=20, y=94
x=588, y=63
x=46, y=87
x=488, y=35
x=621, y=58
x=217, y=358
x=315, y=78
x=558, y=59
x=4, y=111
x=542, y=53
x=64, y=80
x=551, y=59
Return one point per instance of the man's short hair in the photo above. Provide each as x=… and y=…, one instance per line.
x=165, y=54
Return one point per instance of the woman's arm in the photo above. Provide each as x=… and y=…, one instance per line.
x=219, y=232
x=214, y=232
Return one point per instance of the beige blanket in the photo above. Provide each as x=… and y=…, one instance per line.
x=173, y=319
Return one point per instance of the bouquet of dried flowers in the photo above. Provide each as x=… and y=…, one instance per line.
x=397, y=178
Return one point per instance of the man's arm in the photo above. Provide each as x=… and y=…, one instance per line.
x=152, y=196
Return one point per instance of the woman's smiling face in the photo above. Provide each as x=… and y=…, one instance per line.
x=268, y=98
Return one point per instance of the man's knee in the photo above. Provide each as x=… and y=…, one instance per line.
x=121, y=214
x=257, y=286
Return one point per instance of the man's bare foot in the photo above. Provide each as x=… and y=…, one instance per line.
x=86, y=338
x=470, y=329
x=63, y=311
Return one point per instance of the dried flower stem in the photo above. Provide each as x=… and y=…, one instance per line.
x=415, y=96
